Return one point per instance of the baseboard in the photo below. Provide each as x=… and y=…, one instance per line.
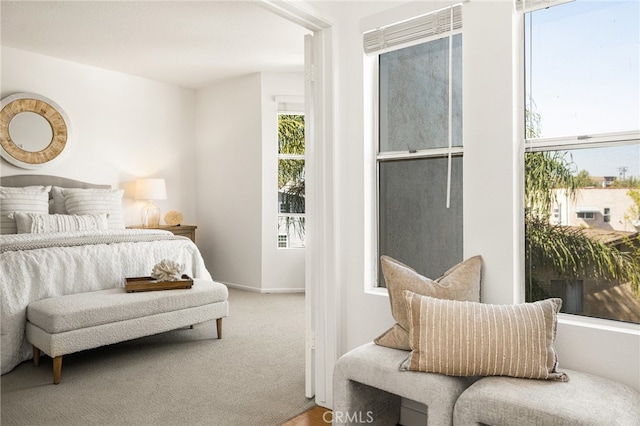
x=264, y=290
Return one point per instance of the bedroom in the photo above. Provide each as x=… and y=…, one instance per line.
x=123, y=100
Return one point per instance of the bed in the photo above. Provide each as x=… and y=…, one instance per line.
x=46, y=251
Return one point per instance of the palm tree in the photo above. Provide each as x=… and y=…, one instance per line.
x=291, y=171
x=568, y=251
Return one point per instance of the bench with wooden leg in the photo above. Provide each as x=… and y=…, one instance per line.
x=66, y=324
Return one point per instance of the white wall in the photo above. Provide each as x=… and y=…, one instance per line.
x=124, y=127
x=282, y=269
x=228, y=163
x=492, y=111
x=237, y=183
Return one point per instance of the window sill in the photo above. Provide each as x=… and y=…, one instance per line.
x=376, y=291
x=567, y=319
x=600, y=324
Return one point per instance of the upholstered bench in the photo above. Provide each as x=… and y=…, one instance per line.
x=368, y=384
x=584, y=400
x=66, y=324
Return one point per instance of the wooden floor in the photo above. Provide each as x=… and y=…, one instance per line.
x=314, y=417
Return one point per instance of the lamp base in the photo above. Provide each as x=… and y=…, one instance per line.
x=150, y=215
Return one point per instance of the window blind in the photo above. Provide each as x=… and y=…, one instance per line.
x=414, y=29
x=532, y=5
x=290, y=103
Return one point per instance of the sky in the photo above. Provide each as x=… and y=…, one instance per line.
x=585, y=80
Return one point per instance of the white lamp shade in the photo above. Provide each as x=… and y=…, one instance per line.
x=151, y=189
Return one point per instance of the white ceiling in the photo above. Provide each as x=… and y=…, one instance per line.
x=186, y=43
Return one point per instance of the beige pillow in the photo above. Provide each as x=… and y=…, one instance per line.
x=461, y=282
x=478, y=339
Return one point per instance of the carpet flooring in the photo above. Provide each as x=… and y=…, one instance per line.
x=254, y=375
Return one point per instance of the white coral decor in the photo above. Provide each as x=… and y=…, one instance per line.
x=173, y=218
x=167, y=270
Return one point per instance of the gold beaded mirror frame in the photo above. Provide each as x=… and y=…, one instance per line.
x=34, y=130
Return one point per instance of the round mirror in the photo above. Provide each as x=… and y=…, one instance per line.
x=34, y=130
x=30, y=131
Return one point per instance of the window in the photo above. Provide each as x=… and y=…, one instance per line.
x=291, y=181
x=582, y=126
x=419, y=146
x=571, y=294
x=586, y=215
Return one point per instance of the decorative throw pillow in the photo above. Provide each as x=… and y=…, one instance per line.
x=96, y=201
x=58, y=205
x=57, y=201
x=28, y=199
x=461, y=282
x=39, y=223
x=477, y=339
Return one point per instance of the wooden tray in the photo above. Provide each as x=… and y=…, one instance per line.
x=137, y=284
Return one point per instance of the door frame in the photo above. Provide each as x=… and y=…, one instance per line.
x=322, y=306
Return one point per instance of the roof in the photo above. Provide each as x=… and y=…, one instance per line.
x=609, y=236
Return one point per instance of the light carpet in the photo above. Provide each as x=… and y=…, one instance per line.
x=254, y=375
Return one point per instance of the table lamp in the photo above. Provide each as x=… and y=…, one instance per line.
x=150, y=189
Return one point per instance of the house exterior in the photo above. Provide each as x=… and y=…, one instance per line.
x=586, y=295
x=597, y=208
x=608, y=215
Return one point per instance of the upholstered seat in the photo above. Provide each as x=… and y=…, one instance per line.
x=71, y=323
x=584, y=400
x=368, y=383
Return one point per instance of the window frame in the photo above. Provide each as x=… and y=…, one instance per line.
x=567, y=143
x=371, y=78
x=293, y=107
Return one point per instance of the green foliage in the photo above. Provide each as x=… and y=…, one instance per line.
x=629, y=182
x=583, y=180
x=533, y=122
x=568, y=250
x=544, y=173
x=290, y=134
x=291, y=172
x=573, y=254
x=634, y=211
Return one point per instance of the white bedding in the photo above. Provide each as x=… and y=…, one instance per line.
x=33, y=274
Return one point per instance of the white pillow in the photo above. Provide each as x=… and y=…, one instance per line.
x=31, y=223
x=29, y=199
x=58, y=193
x=57, y=201
x=96, y=201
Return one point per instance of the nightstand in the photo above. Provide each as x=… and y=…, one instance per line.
x=188, y=231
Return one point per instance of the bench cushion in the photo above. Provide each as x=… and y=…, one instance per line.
x=378, y=367
x=584, y=400
x=82, y=310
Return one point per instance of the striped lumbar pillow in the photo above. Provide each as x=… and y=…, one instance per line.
x=477, y=339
